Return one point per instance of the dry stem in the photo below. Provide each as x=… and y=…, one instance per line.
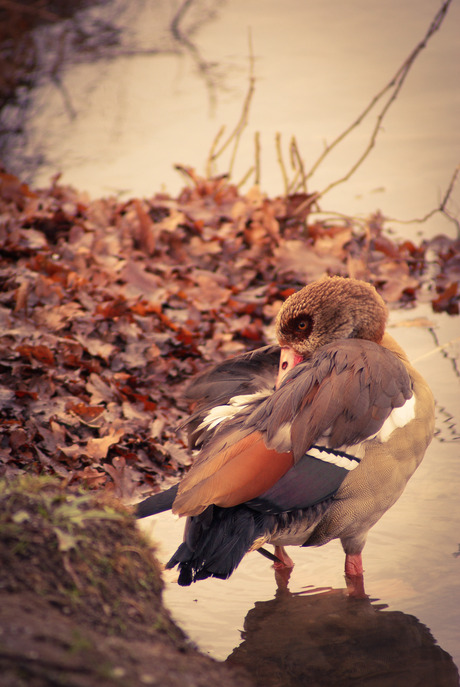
x=394, y=86
x=242, y=123
x=279, y=155
x=441, y=207
x=298, y=166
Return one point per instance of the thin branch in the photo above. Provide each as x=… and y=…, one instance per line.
x=298, y=165
x=435, y=350
x=355, y=219
x=212, y=153
x=257, y=157
x=250, y=171
x=394, y=86
x=279, y=155
x=441, y=207
x=334, y=216
x=235, y=136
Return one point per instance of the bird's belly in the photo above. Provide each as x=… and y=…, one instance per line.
x=295, y=535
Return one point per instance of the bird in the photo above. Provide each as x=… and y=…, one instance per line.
x=300, y=442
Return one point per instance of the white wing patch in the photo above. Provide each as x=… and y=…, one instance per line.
x=340, y=461
x=281, y=440
x=399, y=417
x=220, y=413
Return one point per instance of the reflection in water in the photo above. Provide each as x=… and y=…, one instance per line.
x=321, y=638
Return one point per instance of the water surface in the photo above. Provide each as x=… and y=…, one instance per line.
x=119, y=125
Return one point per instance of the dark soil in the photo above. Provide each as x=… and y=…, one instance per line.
x=80, y=597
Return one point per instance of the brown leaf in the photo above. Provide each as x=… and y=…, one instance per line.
x=448, y=300
x=97, y=449
x=39, y=352
x=12, y=189
x=147, y=229
x=357, y=268
x=122, y=476
x=93, y=477
x=297, y=259
x=396, y=281
x=86, y=412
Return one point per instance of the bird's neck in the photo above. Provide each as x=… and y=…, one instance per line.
x=389, y=343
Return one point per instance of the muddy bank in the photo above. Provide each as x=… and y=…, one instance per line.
x=80, y=597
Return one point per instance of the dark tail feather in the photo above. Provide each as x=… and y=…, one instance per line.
x=157, y=503
x=216, y=541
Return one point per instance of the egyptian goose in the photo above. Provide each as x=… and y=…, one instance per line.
x=300, y=443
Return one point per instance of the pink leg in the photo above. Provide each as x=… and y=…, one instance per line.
x=284, y=560
x=354, y=576
x=353, y=564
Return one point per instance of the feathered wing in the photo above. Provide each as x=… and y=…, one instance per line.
x=341, y=396
x=337, y=398
x=243, y=375
x=331, y=401
x=236, y=474
x=157, y=503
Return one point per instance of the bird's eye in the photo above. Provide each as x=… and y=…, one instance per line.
x=303, y=326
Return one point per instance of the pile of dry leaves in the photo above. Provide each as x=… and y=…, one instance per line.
x=108, y=307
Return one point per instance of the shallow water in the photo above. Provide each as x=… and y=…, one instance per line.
x=119, y=125
x=410, y=558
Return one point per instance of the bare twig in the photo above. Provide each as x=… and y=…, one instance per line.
x=235, y=136
x=279, y=155
x=416, y=220
x=441, y=207
x=257, y=157
x=250, y=171
x=212, y=153
x=435, y=350
x=298, y=165
x=334, y=216
x=393, y=87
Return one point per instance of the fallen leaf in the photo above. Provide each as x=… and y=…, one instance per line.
x=97, y=448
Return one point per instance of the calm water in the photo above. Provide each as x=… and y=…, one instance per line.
x=118, y=126
x=410, y=557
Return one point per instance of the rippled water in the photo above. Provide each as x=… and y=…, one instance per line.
x=412, y=566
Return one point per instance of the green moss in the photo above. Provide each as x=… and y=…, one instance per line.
x=81, y=550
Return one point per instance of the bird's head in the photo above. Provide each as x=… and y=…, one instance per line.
x=326, y=310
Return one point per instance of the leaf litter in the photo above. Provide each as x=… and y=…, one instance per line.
x=108, y=307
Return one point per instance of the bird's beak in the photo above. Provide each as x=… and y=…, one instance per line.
x=288, y=360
